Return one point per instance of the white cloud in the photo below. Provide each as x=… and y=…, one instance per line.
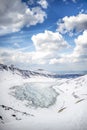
x=18, y=57
x=9, y=56
x=47, y=45
x=80, y=50
x=16, y=14
x=73, y=24
x=79, y=54
x=54, y=61
x=49, y=41
x=43, y=3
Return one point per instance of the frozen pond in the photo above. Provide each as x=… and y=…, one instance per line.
x=36, y=94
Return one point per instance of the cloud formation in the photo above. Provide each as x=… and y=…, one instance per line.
x=81, y=47
x=47, y=46
x=72, y=24
x=43, y=3
x=49, y=41
x=79, y=54
x=15, y=14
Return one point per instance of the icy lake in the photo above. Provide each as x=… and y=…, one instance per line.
x=36, y=94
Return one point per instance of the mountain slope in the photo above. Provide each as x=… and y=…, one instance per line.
x=39, y=72
x=42, y=103
x=25, y=73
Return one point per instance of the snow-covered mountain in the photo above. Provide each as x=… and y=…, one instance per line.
x=26, y=73
x=39, y=72
x=36, y=100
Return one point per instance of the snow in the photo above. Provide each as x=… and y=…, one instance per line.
x=41, y=103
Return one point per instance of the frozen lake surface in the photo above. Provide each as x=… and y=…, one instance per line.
x=36, y=94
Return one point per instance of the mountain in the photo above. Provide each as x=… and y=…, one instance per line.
x=39, y=72
x=25, y=73
x=41, y=102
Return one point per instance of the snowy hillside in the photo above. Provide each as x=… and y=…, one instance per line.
x=41, y=102
x=25, y=73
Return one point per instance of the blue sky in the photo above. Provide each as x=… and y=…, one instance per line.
x=48, y=34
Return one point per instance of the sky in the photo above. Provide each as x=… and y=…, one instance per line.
x=44, y=34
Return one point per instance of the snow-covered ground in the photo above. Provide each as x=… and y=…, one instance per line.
x=42, y=103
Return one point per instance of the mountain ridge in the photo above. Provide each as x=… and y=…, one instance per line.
x=40, y=72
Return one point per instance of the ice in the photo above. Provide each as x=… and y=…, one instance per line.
x=35, y=94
